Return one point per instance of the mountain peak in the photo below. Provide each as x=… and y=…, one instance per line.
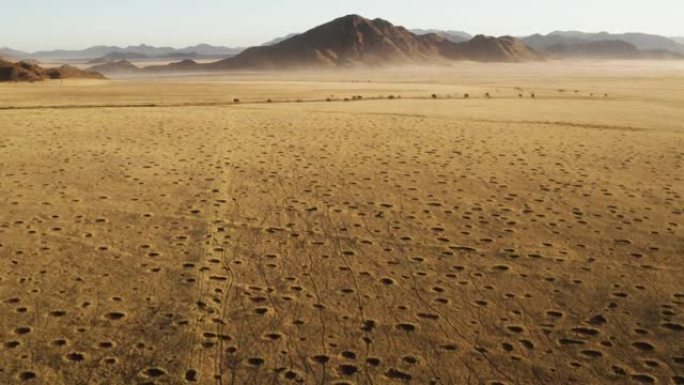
x=353, y=40
x=352, y=17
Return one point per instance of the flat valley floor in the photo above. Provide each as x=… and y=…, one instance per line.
x=158, y=231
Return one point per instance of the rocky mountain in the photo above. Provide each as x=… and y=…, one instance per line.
x=454, y=36
x=345, y=41
x=641, y=41
x=24, y=71
x=354, y=40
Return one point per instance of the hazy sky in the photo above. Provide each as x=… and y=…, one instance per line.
x=47, y=24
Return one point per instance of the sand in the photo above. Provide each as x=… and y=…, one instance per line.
x=155, y=231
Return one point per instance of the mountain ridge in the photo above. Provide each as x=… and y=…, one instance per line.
x=354, y=40
x=29, y=72
x=642, y=41
x=454, y=36
x=99, y=51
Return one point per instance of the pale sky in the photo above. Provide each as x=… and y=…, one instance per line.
x=48, y=24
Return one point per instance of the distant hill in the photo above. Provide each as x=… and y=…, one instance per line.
x=117, y=56
x=124, y=67
x=71, y=72
x=23, y=71
x=121, y=67
x=641, y=41
x=181, y=66
x=210, y=50
x=596, y=49
x=12, y=54
x=195, y=52
x=492, y=49
x=679, y=40
x=354, y=40
x=454, y=36
x=608, y=49
x=129, y=52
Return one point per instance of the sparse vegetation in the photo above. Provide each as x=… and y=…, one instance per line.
x=156, y=232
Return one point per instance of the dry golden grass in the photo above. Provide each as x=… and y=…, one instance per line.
x=500, y=240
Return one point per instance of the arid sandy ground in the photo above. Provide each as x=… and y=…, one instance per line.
x=157, y=232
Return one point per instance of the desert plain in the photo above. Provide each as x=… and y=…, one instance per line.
x=346, y=227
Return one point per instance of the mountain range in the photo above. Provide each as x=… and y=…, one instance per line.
x=348, y=41
x=607, y=49
x=141, y=51
x=573, y=40
x=574, y=43
x=354, y=40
